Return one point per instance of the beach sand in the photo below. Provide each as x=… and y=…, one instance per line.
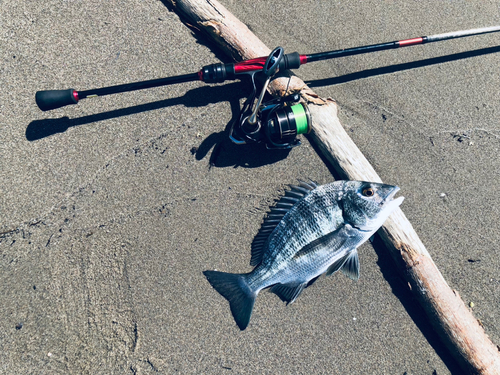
x=109, y=211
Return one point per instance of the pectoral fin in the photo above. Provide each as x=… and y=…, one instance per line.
x=336, y=265
x=349, y=265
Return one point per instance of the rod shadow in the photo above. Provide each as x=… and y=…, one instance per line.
x=224, y=154
x=401, y=67
x=224, y=151
x=198, y=97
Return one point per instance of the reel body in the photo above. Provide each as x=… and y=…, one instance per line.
x=276, y=122
x=279, y=122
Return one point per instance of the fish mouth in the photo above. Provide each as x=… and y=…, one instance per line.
x=387, y=207
x=389, y=199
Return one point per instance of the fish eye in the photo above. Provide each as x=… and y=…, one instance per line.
x=368, y=192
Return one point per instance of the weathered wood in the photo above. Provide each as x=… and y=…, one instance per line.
x=454, y=322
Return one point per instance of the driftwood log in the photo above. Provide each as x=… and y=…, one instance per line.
x=446, y=311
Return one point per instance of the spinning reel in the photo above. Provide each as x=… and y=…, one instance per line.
x=276, y=122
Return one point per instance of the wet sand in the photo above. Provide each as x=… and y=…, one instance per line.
x=109, y=211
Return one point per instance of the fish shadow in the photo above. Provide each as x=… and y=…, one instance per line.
x=416, y=312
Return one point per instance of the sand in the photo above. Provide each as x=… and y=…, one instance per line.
x=109, y=211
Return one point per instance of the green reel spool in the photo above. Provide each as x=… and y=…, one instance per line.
x=285, y=123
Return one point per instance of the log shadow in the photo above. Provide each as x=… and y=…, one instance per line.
x=416, y=312
x=400, y=289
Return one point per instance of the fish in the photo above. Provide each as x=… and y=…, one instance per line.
x=310, y=231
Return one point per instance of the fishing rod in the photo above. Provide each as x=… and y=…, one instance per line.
x=276, y=122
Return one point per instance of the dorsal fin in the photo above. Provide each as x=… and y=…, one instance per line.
x=281, y=207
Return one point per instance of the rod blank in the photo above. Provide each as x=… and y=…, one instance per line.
x=399, y=43
x=462, y=34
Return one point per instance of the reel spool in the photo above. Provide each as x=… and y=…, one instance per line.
x=283, y=123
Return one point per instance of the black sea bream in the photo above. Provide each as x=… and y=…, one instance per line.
x=310, y=231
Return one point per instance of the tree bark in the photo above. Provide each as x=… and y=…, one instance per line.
x=454, y=322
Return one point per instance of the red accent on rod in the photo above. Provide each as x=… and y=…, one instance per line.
x=410, y=42
x=75, y=95
x=303, y=59
x=200, y=75
x=250, y=65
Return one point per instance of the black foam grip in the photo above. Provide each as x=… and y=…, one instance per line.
x=217, y=73
x=291, y=60
x=52, y=99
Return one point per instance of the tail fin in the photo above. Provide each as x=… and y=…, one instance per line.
x=235, y=289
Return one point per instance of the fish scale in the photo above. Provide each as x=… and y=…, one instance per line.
x=304, y=223
x=312, y=230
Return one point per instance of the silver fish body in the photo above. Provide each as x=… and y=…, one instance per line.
x=310, y=231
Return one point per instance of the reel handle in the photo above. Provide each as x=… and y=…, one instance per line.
x=273, y=61
x=270, y=68
x=52, y=99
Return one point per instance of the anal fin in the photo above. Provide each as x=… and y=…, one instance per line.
x=288, y=293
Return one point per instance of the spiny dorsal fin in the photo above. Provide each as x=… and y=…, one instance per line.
x=276, y=213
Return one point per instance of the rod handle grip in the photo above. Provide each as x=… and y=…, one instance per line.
x=52, y=99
